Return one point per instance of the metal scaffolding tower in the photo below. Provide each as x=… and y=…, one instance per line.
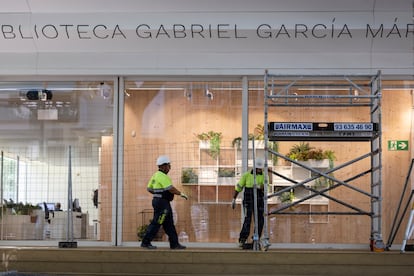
x=328, y=91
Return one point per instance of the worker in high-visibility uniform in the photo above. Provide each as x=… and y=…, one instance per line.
x=247, y=183
x=160, y=185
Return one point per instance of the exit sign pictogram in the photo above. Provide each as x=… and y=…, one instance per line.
x=397, y=144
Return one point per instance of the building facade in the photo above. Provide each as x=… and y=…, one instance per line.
x=93, y=92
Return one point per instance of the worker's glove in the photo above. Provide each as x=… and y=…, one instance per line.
x=233, y=203
x=183, y=195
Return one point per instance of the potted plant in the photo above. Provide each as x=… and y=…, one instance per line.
x=189, y=175
x=304, y=152
x=204, y=139
x=287, y=197
x=315, y=158
x=322, y=183
x=258, y=136
x=330, y=155
x=28, y=209
x=23, y=209
x=214, y=140
x=299, y=151
x=226, y=176
x=259, y=132
x=236, y=143
x=143, y=229
x=8, y=207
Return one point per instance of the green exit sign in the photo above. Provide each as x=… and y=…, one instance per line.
x=397, y=144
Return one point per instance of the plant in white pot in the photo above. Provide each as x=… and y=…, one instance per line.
x=315, y=158
x=213, y=140
x=304, y=152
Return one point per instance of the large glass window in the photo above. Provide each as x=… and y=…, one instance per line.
x=42, y=122
x=51, y=140
x=183, y=120
x=174, y=118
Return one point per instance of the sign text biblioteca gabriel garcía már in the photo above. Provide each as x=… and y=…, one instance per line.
x=205, y=31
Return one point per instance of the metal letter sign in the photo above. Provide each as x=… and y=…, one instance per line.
x=397, y=144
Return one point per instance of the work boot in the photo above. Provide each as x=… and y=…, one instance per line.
x=178, y=246
x=241, y=242
x=148, y=246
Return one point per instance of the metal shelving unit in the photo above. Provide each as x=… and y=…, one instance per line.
x=329, y=91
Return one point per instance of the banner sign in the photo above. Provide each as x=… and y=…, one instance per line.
x=322, y=131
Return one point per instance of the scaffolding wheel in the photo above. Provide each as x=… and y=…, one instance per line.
x=264, y=245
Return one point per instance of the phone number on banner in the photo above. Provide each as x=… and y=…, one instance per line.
x=353, y=127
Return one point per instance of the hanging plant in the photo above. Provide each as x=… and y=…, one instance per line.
x=236, y=143
x=273, y=145
x=215, y=141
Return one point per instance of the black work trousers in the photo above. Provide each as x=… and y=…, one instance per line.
x=162, y=216
x=248, y=208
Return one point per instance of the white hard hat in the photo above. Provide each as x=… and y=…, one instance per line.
x=259, y=163
x=163, y=159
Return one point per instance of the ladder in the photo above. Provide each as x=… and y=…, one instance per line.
x=409, y=230
x=398, y=218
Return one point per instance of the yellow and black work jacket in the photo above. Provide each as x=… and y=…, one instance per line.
x=160, y=185
x=247, y=182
